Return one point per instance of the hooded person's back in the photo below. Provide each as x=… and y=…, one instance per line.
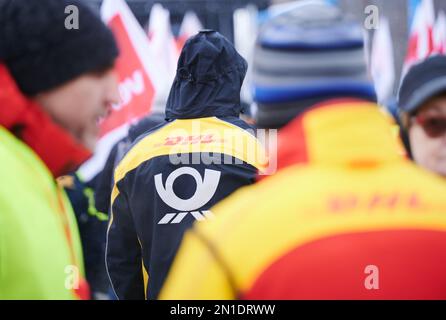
x=174, y=174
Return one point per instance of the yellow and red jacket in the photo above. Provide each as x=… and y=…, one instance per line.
x=346, y=217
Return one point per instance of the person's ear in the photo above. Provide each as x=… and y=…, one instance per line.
x=403, y=121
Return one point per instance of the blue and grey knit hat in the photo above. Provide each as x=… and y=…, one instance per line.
x=304, y=56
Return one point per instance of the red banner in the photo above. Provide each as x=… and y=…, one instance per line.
x=136, y=89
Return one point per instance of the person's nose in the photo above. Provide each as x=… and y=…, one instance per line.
x=113, y=96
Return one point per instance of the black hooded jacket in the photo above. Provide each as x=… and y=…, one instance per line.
x=173, y=175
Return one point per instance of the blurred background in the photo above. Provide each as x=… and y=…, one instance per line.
x=219, y=15
x=404, y=32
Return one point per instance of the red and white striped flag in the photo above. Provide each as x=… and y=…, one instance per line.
x=190, y=26
x=421, y=43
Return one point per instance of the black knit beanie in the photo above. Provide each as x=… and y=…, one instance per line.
x=41, y=53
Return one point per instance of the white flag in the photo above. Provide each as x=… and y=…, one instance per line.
x=164, y=49
x=382, y=61
x=440, y=34
x=245, y=33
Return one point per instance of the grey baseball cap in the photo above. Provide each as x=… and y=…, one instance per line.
x=422, y=82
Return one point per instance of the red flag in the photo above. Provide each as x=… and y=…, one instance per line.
x=135, y=87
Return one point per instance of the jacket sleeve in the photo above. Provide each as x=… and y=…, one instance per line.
x=123, y=252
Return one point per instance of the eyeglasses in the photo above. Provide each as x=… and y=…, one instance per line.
x=433, y=125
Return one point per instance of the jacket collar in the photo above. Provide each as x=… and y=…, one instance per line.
x=346, y=132
x=26, y=120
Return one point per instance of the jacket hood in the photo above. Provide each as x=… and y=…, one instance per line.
x=209, y=78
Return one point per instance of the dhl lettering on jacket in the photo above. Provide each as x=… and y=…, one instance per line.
x=347, y=217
